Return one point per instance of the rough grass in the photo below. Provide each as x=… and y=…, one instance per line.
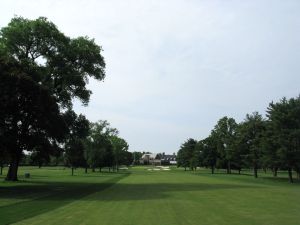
x=141, y=197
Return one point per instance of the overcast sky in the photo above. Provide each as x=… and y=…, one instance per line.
x=174, y=67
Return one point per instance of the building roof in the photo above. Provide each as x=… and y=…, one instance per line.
x=150, y=155
x=168, y=157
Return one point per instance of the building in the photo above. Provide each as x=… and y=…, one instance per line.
x=158, y=159
x=150, y=159
x=168, y=159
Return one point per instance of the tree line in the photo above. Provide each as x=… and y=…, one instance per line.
x=41, y=72
x=90, y=145
x=257, y=142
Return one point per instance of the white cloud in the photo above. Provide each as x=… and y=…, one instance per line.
x=174, y=67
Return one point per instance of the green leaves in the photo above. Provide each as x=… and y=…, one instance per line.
x=284, y=122
x=58, y=62
x=104, y=147
x=29, y=114
x=254, y=143
x=187, y=155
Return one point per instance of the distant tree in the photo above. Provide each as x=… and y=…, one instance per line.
x=57, y=159
x=101, y=153
x=251, y=134
x=94, y=155
x=284, y=117
x=187, y=155
x=79, y=128
x=99, y=147
x=120, y=148
x=182, y=158
x=39, y=157
x=108, y=155
x=74, y=150
x=225, y=131
x=270, y=149
x=240, y=151
x=209, y=151
x=127, y=158
x=136, y=157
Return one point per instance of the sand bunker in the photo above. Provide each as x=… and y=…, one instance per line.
x=159, y=168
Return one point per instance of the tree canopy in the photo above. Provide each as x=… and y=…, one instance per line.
x=52, y=59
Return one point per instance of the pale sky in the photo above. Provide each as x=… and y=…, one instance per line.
x=174, y=67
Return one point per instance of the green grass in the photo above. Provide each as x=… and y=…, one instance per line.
x=141, y=197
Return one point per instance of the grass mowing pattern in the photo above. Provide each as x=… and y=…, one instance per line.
x=43, y=193
x=148, y=197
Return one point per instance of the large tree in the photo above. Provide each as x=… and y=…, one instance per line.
x=46, y=61
x=284, y=118
x=30, y=116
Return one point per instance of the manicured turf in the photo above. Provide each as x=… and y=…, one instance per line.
x=141, y=197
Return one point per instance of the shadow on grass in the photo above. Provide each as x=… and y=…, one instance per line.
x=263, y=178
x=119, y=191
x=152, y=191
x=284, y=180
x=34, y=198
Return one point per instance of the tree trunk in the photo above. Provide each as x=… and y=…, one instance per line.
x=184, y=168
x=1, y=170
x=108, y=169
x=240, y=171
x=275, y=172
x=290, y=175
x=265, y=170
x=255, y=172
x=228, y=167
x=212, y=169
x=93, y=169
x=86, y=169
x=12, y=174
x=72, y=171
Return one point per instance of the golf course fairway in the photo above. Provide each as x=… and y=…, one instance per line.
x=139, y=196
